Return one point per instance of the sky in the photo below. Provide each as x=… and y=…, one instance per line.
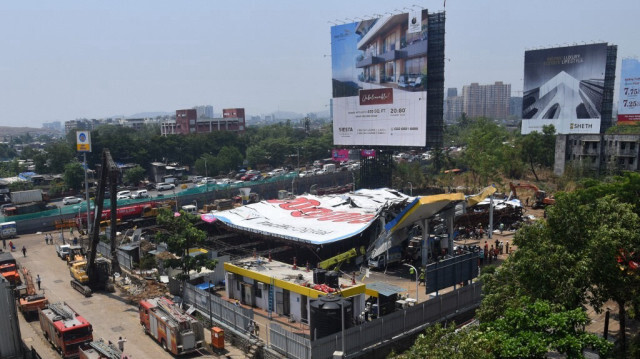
x=63, y=60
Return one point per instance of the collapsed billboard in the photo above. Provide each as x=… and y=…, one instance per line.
x=564, y=87
x=629, y=98
x=379, y=78
x=312, y=219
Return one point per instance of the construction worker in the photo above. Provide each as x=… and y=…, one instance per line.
x=412, y=271
x=422, y=276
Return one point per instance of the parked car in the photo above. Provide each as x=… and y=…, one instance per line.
x=123, y=195
x=165, y=186
x=150, y=186
x=247, y=177
x=140, y=194
x=71, y=200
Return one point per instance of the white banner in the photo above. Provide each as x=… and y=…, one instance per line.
x=313, y=219
x=415, y=21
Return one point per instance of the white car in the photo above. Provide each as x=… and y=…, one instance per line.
x=165, y=186
x=123, y=195
x=71, y=200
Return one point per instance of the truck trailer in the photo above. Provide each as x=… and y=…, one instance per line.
x=177, y=332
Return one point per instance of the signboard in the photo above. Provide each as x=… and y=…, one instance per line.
x=367, y=153
x=312, y=219
x=629, y=98
x=340, y=155
x=564, y=87
x=83, y=141
x=379, y=70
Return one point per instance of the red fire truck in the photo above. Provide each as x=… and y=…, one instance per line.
x=65, y=329
x=141, y=210
x=175, y=330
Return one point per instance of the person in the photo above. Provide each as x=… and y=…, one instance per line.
x=75, y=241
x=11, y=247
x=422, y=276
x=24, y=251
x=251, y=327
x=46, y=239
x=38, y=281
x=121, y=341
x=412, y=271
x=4, y=243
x=526, y=202
x=237, y=303
x=506, y=247
x=491, y=254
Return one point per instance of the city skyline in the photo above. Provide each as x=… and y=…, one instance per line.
x=72, y=59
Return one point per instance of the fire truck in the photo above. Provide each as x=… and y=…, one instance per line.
x=30, y=302
x=65, y=329
x=177, y=331
x=9, y=268
x=142, y=210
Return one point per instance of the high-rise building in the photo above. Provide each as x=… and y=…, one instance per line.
x=486, y=100
x=452, y=92
x=454, y=108
x=515, y=106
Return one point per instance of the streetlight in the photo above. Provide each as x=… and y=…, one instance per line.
x=414, y=269
x=410, y=188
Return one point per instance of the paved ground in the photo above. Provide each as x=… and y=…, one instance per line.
x=109, y=314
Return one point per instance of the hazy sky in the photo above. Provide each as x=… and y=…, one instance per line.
x=63, y=60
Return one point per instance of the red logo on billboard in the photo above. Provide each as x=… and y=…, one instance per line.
x=367, y=153
x=376, y=97
x=306, y=208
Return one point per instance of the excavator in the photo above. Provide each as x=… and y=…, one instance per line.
x=540, y=197
x=93, y=273
x=335, y=262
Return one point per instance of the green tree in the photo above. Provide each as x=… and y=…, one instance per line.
x=229, y=158
x=180, y=233
x=59, y=154
x=538, y=328
x=73, y=175
x=134, y=175
x=445, y=343
x=486, y=142
x=538, y=149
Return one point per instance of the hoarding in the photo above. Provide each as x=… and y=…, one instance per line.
x=629, y=98
x=312, y=219
x=564, y=87
x=340, y=155
x=379, y=69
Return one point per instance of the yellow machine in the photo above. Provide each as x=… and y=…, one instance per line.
x=78, y=271
x=336, y=261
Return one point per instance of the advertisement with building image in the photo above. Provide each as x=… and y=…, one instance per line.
x=379, y=84
x=629, y=98
x=564, y=87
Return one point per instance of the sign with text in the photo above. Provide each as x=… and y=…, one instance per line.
x=564, y=87
x=629, y=98
x=379, y=71
x=83, y=141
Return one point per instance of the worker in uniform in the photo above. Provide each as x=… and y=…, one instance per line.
x=422, y=276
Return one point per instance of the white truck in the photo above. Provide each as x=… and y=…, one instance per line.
x=329, y=168
x=394, y=255
x=63, y=250
x=8, y=230
x=20, y=197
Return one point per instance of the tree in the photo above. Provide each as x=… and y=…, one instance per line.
x=73, y=175
x=538, y=328
x=486, y=142
x=445, y=343
x=134, y=175
x=59, y=154
x=537, y=149
x=180, y=233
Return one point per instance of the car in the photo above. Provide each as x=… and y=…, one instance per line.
x=165, y=186
x=71, y=200
x=247, y=177
x=140, y=194
x=123, y=195
x=150, y=186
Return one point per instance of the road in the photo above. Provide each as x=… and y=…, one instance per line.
x=153, y=194
x=110, y=315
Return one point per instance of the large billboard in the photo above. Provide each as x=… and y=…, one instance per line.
x=629, y=98
x=379, y=81
x=564, y=87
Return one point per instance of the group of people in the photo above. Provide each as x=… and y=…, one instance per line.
x=490, y=253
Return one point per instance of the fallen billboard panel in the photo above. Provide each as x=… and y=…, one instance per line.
x=379, y=82
x=312, y=219
x=564, y=87
x=629, y=98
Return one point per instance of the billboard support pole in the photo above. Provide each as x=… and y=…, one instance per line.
x=86, y=190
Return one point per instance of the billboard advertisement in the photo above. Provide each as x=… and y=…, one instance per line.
x=564, y=87
x=340, y=155
x=629, y=98
x=379, y=78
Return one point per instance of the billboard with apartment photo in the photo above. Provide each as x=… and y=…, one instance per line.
x=379, y=74
x=564, y=87
x=629, y=98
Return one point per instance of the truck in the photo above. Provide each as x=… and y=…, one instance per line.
x=8, y=230
x=394, y=255
x=9, y=268
x=21, y=197
x=329, y=168
x=65, y=329
x=176, y=331
x=30, y=301
x=63, y=250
